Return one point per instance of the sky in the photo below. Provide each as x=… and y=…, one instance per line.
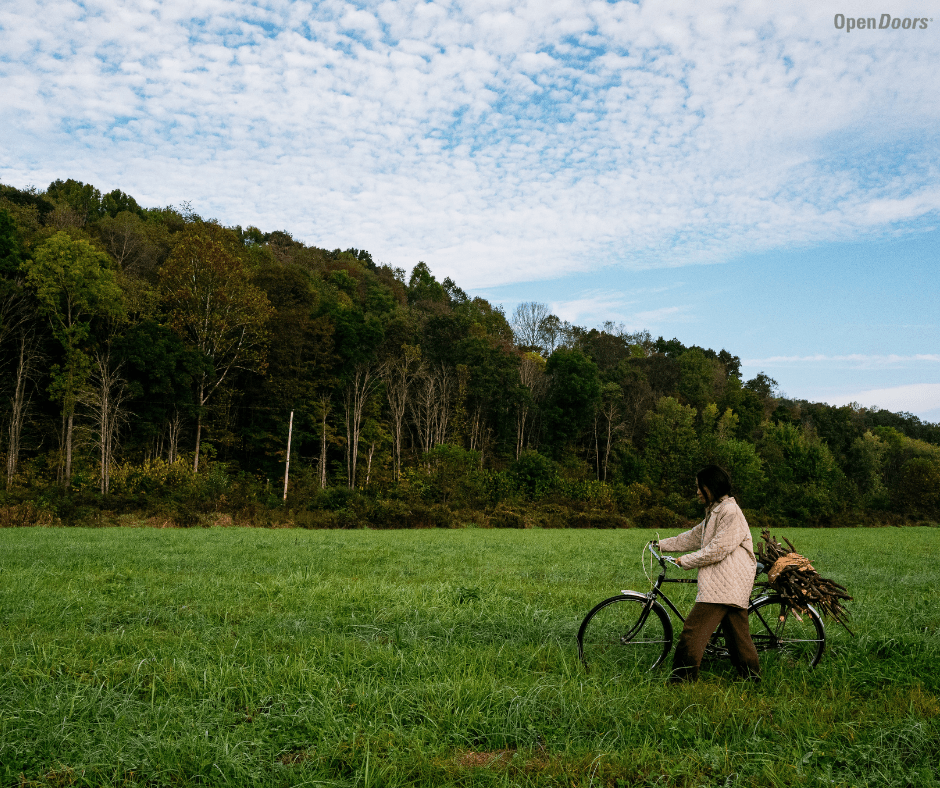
x=756, y=177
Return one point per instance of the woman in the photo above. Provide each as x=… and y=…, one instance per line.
x=724, y=556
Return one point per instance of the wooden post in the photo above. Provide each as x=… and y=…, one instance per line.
x=290, y=429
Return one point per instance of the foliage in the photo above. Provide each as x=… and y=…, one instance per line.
x=919, y=486
x=804, y=481
x=534, y=474
x=225, y=332
x=672, y=452
x=574, y=393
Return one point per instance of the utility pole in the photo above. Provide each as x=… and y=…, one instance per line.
x=290, y=430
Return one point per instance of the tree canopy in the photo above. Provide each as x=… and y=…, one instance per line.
x=199, y=341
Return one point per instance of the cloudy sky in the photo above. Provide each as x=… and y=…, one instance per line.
x=751, y=177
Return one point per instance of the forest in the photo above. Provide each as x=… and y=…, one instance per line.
x=155, y=365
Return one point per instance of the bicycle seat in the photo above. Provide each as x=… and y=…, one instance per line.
x=760, y=569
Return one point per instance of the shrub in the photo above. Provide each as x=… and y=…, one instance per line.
x=533, y=474
x=454, y=475
x=389, y=514
x=804, y=484
x=594, y=518
x=918, y=488
x=504, y=516
x=660, y=517
x=631, y=498
x=23, y=515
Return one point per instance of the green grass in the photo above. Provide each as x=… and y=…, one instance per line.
x=374, y=658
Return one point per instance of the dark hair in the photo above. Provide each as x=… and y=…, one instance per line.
x=716, y=480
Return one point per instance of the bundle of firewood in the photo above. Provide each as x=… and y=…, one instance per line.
x=792, y=576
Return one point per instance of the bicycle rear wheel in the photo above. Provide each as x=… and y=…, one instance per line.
x=624, y=634
x=781, y=634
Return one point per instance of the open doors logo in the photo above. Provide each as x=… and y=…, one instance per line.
x=885, y=22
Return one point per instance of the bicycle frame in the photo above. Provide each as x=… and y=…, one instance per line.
x=656, y=590
x=657, y=593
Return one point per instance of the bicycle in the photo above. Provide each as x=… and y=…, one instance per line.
x=633, y=631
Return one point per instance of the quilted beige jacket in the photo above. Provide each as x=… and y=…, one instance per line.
x=724, y=554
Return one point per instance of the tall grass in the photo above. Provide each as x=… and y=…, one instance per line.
x=285, y=657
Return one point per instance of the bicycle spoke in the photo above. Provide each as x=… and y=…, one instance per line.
x=622, y=636
x=780, y=635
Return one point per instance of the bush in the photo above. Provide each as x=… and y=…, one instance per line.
x=594, y=518
x=592, y=493
x=24, y=515
x=918, y=488
x=504, y=516
x=390, y=514
x=805, y=486
x=660, y=517
x=454, y=476
x=533, y=474
x=632, y=498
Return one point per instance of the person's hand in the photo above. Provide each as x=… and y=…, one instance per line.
x=679, y=563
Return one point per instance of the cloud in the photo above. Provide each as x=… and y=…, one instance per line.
x=919, y=398
x=594, y=307
x=498, y=141
x=860, y=360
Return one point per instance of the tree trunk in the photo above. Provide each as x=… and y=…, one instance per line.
x=106, y=403
x=60, y=460
x=399, y=375
x=357, y=394
x=324, y=410
x=369, y=463
x=431, y=407
x=290, y=430
x=173, y=436
x=610, y=440
x=27, y=358
x=476, y=428
x=202, y=391
x=521, y=415
x=597, y=449
x=69, y=430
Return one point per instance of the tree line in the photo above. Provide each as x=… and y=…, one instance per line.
x=155, y=358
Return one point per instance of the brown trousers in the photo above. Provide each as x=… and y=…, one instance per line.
x=703, y=620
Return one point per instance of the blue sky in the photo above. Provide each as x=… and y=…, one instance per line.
x=746, y=177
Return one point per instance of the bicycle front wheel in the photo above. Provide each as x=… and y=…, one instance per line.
x=781, y=634
x=625, y=634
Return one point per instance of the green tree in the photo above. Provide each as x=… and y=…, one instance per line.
x=805, y=485
x=747, y=405
x=82, y=200
x=74, y=284
x=19, y=335
x=422, y=286
x=672, y=453
x=116, y=201
x=160, y=371
x=572, y=398
x=865, y=467
x=918, y=487
x=739, y=458
x=215, y=307
x=701, y=379
x=11, y=290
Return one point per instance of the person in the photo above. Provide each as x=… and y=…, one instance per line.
x=724, y=555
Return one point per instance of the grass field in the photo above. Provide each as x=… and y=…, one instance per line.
x=376, y=658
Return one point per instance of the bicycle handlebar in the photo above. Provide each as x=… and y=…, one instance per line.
x=653, y=547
